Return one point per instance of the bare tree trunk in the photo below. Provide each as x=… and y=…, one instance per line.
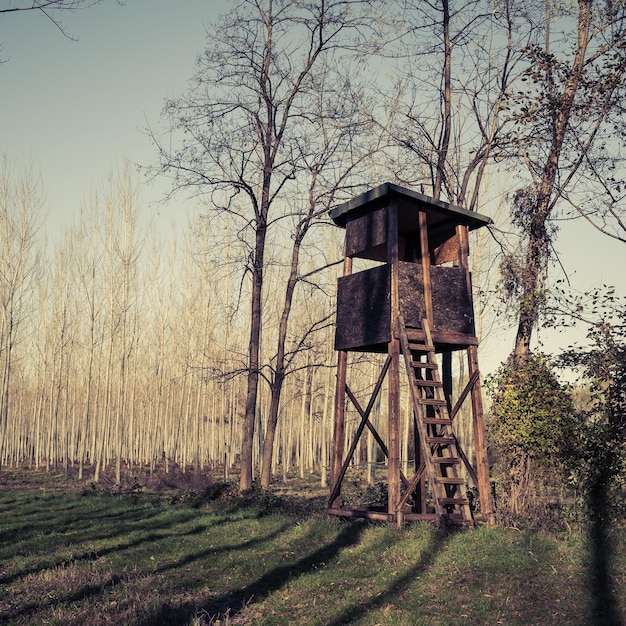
x=538, y=246
x=247, y=439
x=280, y=366
x=446, y=129
x=325, y=428
x=20, y=203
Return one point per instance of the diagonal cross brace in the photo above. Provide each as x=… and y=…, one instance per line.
x=364, y=422
x=380, y=442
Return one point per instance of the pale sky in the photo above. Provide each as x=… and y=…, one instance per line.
x=78, y=108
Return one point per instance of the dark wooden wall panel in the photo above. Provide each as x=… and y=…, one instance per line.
x=367, y=232
x=411, y=288
x=363, y=309
x=363, y=306
x=452, y=306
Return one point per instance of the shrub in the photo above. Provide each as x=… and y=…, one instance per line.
x=532, y=428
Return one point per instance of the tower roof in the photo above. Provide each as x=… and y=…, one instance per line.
x=441, y=215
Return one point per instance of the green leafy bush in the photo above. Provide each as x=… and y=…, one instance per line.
x=598, y=463
x=532, y=428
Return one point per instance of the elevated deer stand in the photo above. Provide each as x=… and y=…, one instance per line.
x=415, y=306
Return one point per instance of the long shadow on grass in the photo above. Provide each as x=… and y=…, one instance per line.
x=138, y=524
x=400, y=585
x=213, y=552
x=29, y=611
x=232, y=603
x=604, y=607
x=97, y=553
x=51, y=515
x=167, y=614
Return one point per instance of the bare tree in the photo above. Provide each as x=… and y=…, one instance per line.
x=335, y=157
x=86, y=275
x=241, y=124
x=569, y=120
x=119, y=240
x=20, y=205
x=50, y=9
x=447, y=110
x=520, y=85
x=46, y=6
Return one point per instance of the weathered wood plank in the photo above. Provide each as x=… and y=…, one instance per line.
x=366, y=235
x=363, y=309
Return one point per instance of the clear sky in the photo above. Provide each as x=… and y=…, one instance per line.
x=78, y=108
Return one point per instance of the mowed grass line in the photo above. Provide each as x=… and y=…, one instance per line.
x=98, y=558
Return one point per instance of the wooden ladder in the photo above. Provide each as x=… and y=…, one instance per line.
x=440, y=455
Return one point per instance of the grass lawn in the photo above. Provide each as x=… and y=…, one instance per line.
x=69, y=556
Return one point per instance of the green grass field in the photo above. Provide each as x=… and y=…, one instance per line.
x=93, y=557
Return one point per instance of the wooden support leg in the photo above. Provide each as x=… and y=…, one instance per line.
x=339, y=433
x=480, y=440
x=394, y=433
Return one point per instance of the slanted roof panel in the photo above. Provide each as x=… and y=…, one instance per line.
x=408, y=199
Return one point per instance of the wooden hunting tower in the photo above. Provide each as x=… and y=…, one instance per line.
x=415, y=306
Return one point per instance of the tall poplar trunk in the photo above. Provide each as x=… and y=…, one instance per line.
x=446, y=130
x=6, y=379
x=247, y=438
x=280, y=367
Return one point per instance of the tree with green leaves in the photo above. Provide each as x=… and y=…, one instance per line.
x=532, y=429
x=598, y=463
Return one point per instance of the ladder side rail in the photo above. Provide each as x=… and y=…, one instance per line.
x=446, y=488
x=417, y=408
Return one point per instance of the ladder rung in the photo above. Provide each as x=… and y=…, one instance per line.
x=433, y=402
x=419, y=354
x=420, y=382
x=421, y=347
x=424, y=365
x=437, y=420
x=422, y=350
x=442, y=441
x=454, y=501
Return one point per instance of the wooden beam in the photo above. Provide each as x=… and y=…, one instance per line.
x=480, y=440
x=340, y=402
x=468, y=466
x=459, y=403
x=411, y=488
x=374, y=432
x=425, y=258
x=393, y=349
x=364, y=420
x=360, y=513
x=478, y=418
